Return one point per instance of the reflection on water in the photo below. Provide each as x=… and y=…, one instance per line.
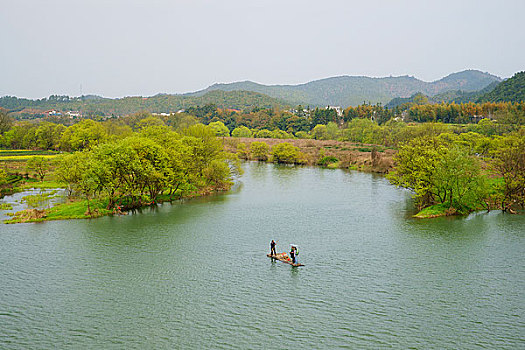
x=194, y=274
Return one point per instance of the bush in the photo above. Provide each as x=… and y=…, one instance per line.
x=302, y=135
x=220, y=129
x=280, y=134
x=264, y=134
x=242, y=150
x=319, y=132
x=241, y=131
x=287, y=153
x=325, y=161
x=260, y=150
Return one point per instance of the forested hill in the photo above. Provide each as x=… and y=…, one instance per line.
x=511, y=90
x=457, y=96
x=353, y=90
x=127, y=105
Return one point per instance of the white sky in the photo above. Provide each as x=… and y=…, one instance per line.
x=117, y=48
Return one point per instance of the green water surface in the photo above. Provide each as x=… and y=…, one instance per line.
x=195, y=275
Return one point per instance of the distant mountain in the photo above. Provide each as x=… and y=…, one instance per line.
x=512, y=90
x=158, y=103
x=457, y=96
x=353, y=90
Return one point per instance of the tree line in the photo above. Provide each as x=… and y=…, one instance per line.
x=129, y=163
x=154, y=161
x=464, y=166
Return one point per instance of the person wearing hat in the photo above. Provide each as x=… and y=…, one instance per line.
x=292, y=254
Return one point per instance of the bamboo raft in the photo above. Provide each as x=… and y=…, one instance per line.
x=283, y=257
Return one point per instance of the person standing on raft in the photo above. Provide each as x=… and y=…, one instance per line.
x=296, y=254
x=292, y=254
x=272, y=248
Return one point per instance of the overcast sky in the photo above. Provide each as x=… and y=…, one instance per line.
x=118, y=48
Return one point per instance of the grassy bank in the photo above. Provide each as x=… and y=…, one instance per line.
x=65, y=211
x=78, y=209
x=435, y=211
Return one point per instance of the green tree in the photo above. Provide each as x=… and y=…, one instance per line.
x=217, y=174
x=205, y=147
x=5, y=121
x=364, y=131
x=39, y=165
x=241, y=131
x=220, y=129
x=416, y=164
x=76, y=170
x=332, y=131
x=117, y=130
x=149, y=121
x=242, y=151
x=319, y=132
x=264, y=134
x=70, y=169
x=302, y=135
x=259, y=150
x=287, y=153
x=85, y=134
x=181, y=121
x=48, y=135
x=280, y=134
x=458, y=181
x=509, y=163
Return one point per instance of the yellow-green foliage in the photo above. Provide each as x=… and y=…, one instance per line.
x=264, y=134
x=219, y=128
x=302, y=135
x=242, y=151
x=259, y=150
x=287, y=153
x=6, y=206
x=280, y=134
x=241, y=131
x=433, y=211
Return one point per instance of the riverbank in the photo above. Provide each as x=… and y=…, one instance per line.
x=326, y=153
x=76, y=208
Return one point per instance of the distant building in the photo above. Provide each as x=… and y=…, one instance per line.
x=305, y=112
x=74, y=114
x=52, y=112
x=337, y=109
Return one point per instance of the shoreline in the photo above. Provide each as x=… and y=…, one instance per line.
x=75, y=209
x=347, y=155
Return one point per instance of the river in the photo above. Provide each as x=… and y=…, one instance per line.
x=195, y=274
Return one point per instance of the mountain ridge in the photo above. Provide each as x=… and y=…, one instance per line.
x=346, y=90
